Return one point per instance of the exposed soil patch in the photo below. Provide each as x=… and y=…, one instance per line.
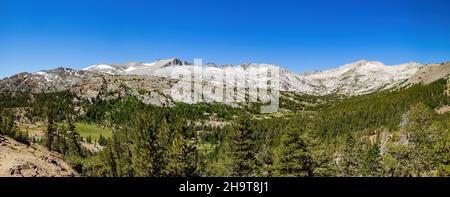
x=20, y=160
x=443, y=109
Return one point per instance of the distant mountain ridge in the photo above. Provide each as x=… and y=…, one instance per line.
x=361, y=77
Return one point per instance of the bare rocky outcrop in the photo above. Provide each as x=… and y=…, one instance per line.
x=431, y=73
x=21, y=160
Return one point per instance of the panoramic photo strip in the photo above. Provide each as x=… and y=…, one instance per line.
x=251, y=97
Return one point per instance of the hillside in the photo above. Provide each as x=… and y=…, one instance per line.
x=21, y=160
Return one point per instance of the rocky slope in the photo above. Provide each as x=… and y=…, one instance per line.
x=20, y=160
x=430, y=73
x=360, y=78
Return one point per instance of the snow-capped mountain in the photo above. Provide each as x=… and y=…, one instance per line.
x=50, y=80
x=158, y=77
x=135, y=68
x=356, y=78
x=359, y=78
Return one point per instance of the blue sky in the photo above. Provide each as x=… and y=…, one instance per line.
x=299, y=35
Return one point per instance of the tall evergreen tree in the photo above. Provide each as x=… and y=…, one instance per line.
x=423, y=134
x=51, y=130
x=372, y=162
x=351, y=161
x=242, y=149
x=163, y=143
x=322, y=162
x=442, y=151
x=182, y=161
x=73, y=139
x=293, y=157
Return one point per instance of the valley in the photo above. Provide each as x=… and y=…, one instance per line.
x=120, y=120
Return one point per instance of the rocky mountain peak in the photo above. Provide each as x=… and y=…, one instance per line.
x=253, y=65
x=362, y=64
x=175, y=62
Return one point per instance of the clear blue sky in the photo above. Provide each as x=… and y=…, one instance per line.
x=299, y=35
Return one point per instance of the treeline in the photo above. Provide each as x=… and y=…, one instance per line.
x=56, y=109
x=147, y=141
x=381, y=109
x=9, y=128
x=97, y=110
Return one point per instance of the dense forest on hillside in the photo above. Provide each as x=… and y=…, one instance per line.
x=388, y=133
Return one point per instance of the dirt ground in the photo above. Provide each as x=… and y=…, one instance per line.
x=20, y=160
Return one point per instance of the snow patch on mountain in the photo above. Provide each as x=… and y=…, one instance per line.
x=352, y=79
x=359, y=78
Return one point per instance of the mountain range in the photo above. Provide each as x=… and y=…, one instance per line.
x=152, y=81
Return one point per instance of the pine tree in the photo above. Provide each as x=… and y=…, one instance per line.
x=189, y=154
x=50, y=125
x=442, y=151
x=322, y=163
x=351, y=161
x=292, y=156
x=423, y=134
x=182, y=161
x=372, y=162
x=120, y=155
x=102, y=141
x=143, y=150
x=73, y=139
x=162, y=145
x=242, y=149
